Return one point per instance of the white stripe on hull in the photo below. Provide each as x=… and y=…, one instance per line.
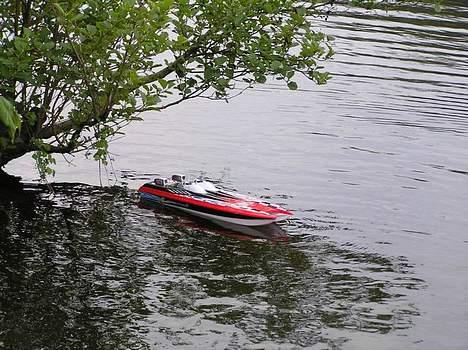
x=245, y=222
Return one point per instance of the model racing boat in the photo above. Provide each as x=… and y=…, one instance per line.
x=204, y=199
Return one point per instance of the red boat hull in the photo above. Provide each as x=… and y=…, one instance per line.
x=215, y=207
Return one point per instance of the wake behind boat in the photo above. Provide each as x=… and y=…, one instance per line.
x=203, y=199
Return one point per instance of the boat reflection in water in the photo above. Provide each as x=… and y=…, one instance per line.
x=271, y=232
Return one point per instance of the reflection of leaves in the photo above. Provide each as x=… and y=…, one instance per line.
x=297, y=288
x=71, y=282
x=99, y=266
x=377, y=294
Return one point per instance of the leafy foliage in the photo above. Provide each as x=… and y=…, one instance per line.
x=80, y=70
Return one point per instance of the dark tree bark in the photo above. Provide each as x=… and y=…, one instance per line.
x=13, y=151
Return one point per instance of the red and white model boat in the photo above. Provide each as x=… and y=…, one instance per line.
x=203, y=199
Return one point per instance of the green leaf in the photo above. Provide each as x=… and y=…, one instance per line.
x=252, y=58
x=165, y=5
x=31, y=118
x=289, y=74
x=78, y=17
x=21, y=44
x=59, y=10
x=301, y=11
x=223, y=82
x=219, y=61
x=48, y=45
x=9, y=117
x=163, y=83
x=209, y=73
x=43, y=161
x=133, y=77
x=268, y=7
x=260, y=79
x=292, y=85
x=91, y=29
x=276, y=65
x=321, y=77
x=151, y=100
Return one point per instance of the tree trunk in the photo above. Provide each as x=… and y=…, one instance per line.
x=7, y=155
x=9, y=181
x=13, y=151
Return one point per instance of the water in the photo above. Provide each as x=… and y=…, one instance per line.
x=373, y=164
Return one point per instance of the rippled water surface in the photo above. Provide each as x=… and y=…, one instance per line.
x=373, y=164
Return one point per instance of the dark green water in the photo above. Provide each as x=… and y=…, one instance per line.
x=374, y=166
x=89, y=269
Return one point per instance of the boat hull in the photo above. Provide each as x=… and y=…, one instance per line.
x=208, y=210
x=216, y=218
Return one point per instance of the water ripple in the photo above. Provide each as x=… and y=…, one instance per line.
x=96, y=270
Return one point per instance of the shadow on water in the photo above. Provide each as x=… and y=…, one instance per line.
x=271, y=232
x=87, y=268
x=66, y=279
